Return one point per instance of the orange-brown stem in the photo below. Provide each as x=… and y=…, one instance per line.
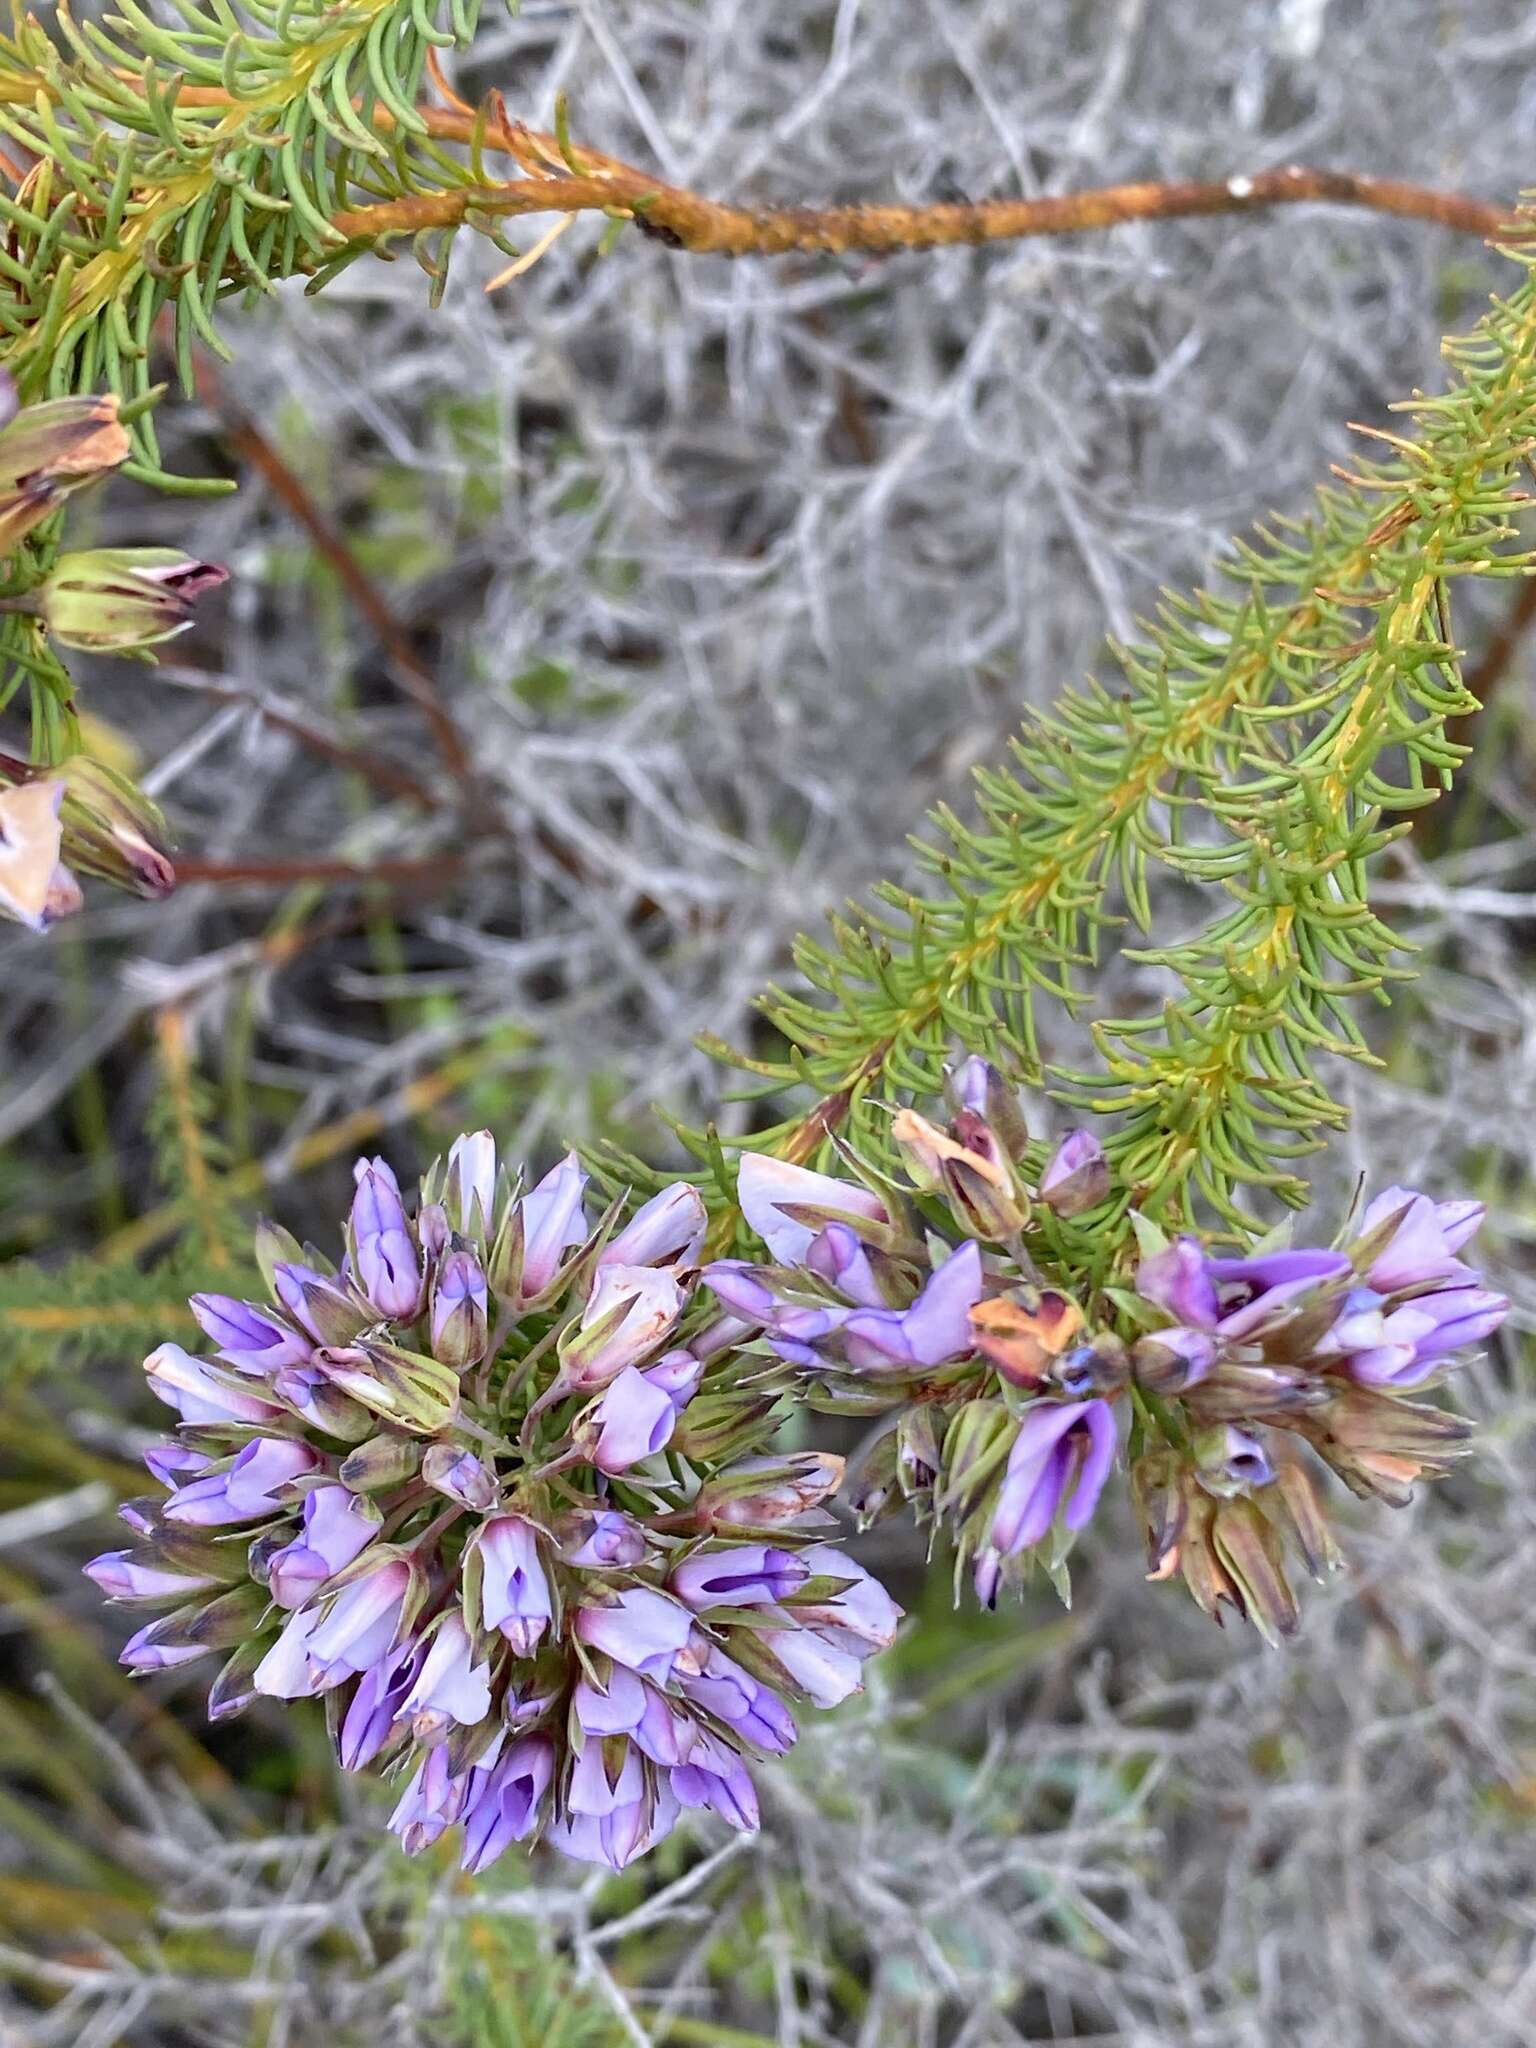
x=707, y=227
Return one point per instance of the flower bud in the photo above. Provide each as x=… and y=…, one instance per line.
x=975, y=1086
x=460, y=1475
x=514, y=1590
x=307, y=1391
x=384, y=1461
x=469, y=1194
x=551, y=1221
x=35, y=887
x=1307, y=1518
x=460, y=1310
x=719, y=1424
x=404, y=1387
x=1247, y=1546
x=124, y=600
x=135, y=1578
x=1077, y=1177
x=330, y=1314
x=1172, y=1361
x=433, y=1229
x=235, y=1687
x=49, y=451
x=874, y=1491
x=761, y=1492
x=1252, y=1393
x=975, y=1444
x=1102, y=1366
x=629, y=1312
x=666, y=1230
x=386, y=1263
x=970, y=1169
x=787, y=1205
x=112, y=830
x=1159, y=1491
x=1230, y=1461
x=918, y=1456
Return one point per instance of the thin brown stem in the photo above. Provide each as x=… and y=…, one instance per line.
x=248, y=440
x=588, y=182
x=390, y=778
x=284, y=874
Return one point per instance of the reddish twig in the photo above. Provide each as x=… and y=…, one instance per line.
x=284, y=874
x=566, y=178
x=386, y=776
x=248, y=441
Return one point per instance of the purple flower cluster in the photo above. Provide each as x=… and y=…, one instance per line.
x=483, y=1485
x=929, y=1302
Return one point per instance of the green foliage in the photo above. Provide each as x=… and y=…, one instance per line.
x=509, y=1991
x=182, y=164
x=1263, y=741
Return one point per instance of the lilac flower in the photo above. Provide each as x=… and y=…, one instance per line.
x=596, y=1791
x=1059, y=1462
x=640, y=1629
x=1233, y=1297
x=1405, y=1346
x=460, y=1310
x=795, y=1329
x=552, y=1222
x=250, y=1488
x=338, y=1526
x=251, y=1340
x=522, y=1659
x=361, y=1622
x=743, y=1702
x=629, y=1313
x=200, y=1392
x=374, y=1709
x=1422, y=1246
x=514, y=1591
x=433, y=1801
x=144, y=1653
x=837, y=1255
x=767, y=1187
x=635, y=1415
x=388, y=1265
x=617, y=1837
x=746, y=1575
x=450, y=1686
x=715, y=1777
x=666, y=1230
x=506, y=1807
x=1077, y=1177
x=174, y=1464
x=288, y=1672
x=600, y=1538
x=935, y=1329
x=1252, y=1290
x=122, y=1575
x=307, y=1390
x=472, y=1182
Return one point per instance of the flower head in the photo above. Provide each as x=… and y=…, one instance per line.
x=411, y=1484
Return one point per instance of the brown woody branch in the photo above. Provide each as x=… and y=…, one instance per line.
x=570, y=179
